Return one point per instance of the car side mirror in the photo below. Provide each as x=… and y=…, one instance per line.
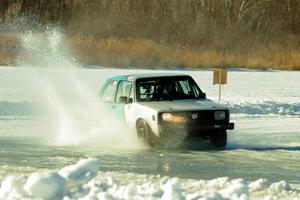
x=123, y=99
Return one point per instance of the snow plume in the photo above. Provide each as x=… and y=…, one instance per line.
x=85, y=181
x=46, y=49
x=75, y=115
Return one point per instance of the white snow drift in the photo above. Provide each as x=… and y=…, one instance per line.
x=84, y=181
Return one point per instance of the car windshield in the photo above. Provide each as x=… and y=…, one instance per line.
x=167, y=89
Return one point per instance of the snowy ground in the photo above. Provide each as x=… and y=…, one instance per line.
x=83, y=181
x=50, y=118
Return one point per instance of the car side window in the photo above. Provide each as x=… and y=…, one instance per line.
x=109, y=91
x=124, y=89
x=145, y=90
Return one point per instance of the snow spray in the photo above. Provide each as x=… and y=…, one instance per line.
x=75, y=115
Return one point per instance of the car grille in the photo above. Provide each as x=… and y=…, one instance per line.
x=203, y=117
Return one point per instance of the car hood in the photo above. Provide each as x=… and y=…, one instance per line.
x=183, y=105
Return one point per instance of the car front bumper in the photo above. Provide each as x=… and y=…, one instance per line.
x=192, y=129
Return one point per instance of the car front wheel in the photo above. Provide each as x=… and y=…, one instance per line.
x=219, y=139
x=144, y=133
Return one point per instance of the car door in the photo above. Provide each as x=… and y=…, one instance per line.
x=124, y=90
x=108, y=93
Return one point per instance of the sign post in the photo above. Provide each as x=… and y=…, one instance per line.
x=220, y=77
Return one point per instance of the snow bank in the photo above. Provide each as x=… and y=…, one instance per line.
x=50, y=185
x=12, y=187
x=83, y=181
x=264, y=108
x=80, y=173
x=45, y=185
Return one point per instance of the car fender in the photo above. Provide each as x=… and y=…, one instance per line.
x=136, y=111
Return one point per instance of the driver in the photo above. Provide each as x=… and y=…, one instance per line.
x=168, y=90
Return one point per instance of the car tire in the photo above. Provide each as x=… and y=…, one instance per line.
x=219, y=139
x=144, y=133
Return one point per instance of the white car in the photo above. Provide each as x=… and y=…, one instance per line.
x=161, y=106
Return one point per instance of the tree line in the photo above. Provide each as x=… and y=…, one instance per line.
x=194, y=23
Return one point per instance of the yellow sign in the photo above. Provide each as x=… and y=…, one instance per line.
x=220, y=77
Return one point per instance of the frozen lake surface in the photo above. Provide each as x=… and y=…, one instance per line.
x=50, y=118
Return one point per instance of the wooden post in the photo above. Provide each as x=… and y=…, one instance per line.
x=220, y=87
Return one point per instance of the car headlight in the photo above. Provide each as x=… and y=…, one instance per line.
x=220, y=115
x=169, y=117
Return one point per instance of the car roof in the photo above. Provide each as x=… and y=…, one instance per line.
x=145, y=75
